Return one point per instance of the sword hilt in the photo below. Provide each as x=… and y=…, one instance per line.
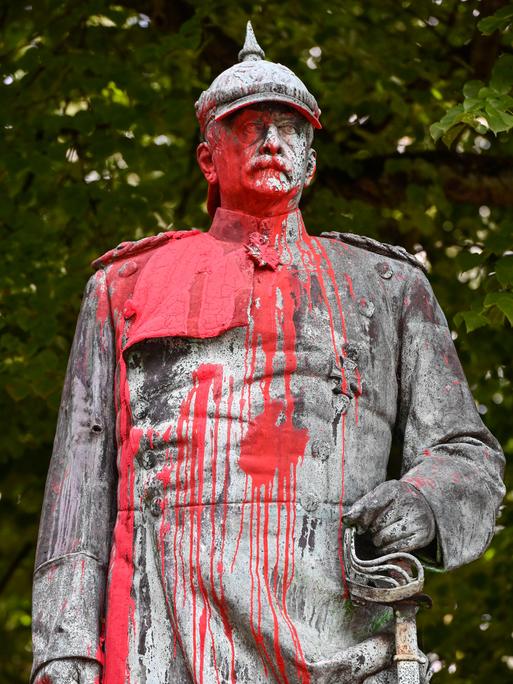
x=396, y=580
x=386, y=579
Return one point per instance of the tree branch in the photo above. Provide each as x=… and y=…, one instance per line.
x=15, y=563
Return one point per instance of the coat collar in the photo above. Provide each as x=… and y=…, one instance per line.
x=235, y=226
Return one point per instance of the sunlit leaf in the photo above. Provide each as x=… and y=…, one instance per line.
x=471, y=319
x=500, y=21
x=503, y=301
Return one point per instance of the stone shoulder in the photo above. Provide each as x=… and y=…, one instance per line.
x=381, y=248
x=133, y=248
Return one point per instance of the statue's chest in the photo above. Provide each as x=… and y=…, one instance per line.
x=285, y=389
x=301, y=329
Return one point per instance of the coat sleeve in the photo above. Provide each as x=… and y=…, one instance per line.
x=79, y=504
x=448, y=454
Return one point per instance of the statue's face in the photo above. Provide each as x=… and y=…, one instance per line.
x=261, y=158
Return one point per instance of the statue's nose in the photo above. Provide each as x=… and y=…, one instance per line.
x=271, y=143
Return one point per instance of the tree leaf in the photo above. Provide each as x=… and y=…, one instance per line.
x=472, y=320
x=499, y=121
x=502, y=74
x=503, y=301
x=499, y=21
x=504, y=270
x=472, y=88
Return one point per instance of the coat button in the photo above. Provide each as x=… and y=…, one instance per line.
x=341, y=403
x=385, y=270
x=127, y=269
x=156, y=506
x=351, y=351
x=321, y=450
x=349, y=364
x=129, y=309
x=147, y=459
x=366, y=307
x=310, y=502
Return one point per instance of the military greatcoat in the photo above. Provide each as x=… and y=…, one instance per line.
x=229, y=395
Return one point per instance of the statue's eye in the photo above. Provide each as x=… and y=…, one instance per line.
x=288, y=128
x=252, y=129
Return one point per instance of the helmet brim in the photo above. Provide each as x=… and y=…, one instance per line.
x=257, y=98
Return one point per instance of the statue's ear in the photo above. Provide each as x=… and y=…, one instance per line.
x=311, y=165
x=206, y=162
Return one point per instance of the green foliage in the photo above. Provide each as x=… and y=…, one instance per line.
x=500, y=21
x=484, y=108
x=98, y=145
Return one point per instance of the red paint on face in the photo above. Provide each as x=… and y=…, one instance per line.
x=260, y=159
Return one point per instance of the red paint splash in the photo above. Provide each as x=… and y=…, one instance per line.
x=271, y=447
x=323, y=263
x=102, y=307
x=213, y=282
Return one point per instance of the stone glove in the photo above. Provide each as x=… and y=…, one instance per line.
x=69, y=671
x=397, y=516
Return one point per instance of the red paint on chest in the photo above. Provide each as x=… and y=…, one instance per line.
x=272, y=446
x=192, y=288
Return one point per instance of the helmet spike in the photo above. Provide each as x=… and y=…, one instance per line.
x=252, y=80
x=251, y=52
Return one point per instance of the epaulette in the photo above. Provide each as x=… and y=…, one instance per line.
x=392, y=251
x=130, y=248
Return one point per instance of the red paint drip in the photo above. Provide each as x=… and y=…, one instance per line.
x=349, y=282
x=102, y=302
x=120, y=604
x=270, y=452
x=189, y=507
x=322, y=261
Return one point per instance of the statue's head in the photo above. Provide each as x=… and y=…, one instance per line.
x=257, y=120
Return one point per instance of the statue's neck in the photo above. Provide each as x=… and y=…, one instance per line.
x=235, y=226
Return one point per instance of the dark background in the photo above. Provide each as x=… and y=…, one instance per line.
x=98, y=140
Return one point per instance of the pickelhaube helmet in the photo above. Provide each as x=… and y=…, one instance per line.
x=251, y=81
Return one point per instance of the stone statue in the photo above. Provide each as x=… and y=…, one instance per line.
x=229, y=408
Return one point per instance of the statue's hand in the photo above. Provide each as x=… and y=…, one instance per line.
x=69, y=671
x=397, y=516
